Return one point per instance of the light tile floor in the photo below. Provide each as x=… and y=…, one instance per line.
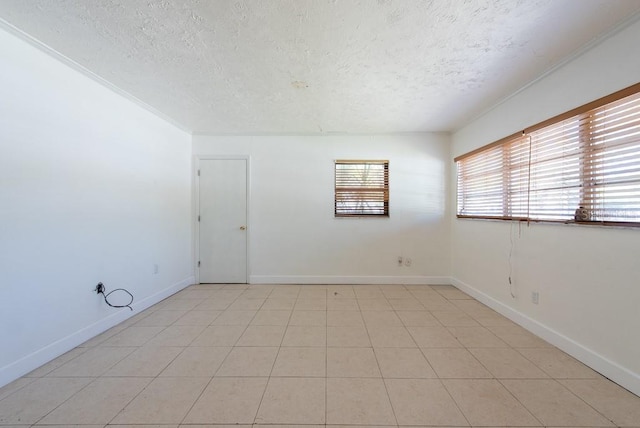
x=215, y=355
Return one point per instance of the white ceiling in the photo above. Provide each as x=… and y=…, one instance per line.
x=317, y=66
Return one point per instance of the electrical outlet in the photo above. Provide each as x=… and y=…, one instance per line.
x=399, y=260
x=535, y=297
x=407, y=262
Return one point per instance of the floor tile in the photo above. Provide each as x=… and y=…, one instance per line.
x=390, y=337
x=417, y=318
x=160, y=318
x=403, y=363
x=342, y=304
x=262, y=335
x=206, y=286
x=176, y=335
x=374, y=305
x=435, y=302
x=298, y=335
x=147, y=361
x=485, y=402
x=433, y=337
x=557, y=364
x=518, y=337
x=396, y=292
x=98, y=403
x=614, y=402
x=553, y=404
x=55, y=363
x=285, y=293
x=423, y=402
x=300, y=362
x=248, y=362
x=120, y=426
x=246, y=304
x=313, y=293
x=293, y=401
x=214, y=304
x=455, y=319
x=507, y=363
x=32, y=402
x=198, y=318
x=476, y=337
x=352, y=362
x=473, y=307
x=271, y=318
x=310, y=305
x=341, y=292
x=179, y=304
x=358, y=402
x=278, y=304
x=427, y=295
x=492, y=320
x=163, y=401
x=228, y=401
x=348, y=336
x=254, y=293
x=455, y=363
x=192, y=293
x=410, y=304
x=454, y=294
x=219, y=335
x=344, y=319
x=197, y=362
x=381, y=319
x=14, y=386
x=108, y=334
x=229, y=317
x=132, y=336
x=368, y=292
x=93, y=362
x=227, y=294
x=313, y=318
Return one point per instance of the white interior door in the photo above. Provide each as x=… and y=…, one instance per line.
x=223, y=221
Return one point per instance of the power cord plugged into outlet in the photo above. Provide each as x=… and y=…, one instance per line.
x=100, y=289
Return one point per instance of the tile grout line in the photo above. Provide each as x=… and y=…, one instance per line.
x=221, y=363
x=266, y=386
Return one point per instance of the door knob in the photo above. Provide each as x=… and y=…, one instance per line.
x=243, y=227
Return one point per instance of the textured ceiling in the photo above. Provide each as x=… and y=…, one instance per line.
x=317, y=66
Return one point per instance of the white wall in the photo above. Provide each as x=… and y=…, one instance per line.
x=294, y=236
x=587, y=277
x=92, y=188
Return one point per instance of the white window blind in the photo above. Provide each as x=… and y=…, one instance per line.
x=361, y=188
x=582, y=166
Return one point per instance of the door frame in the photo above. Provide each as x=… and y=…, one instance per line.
x=196, y=255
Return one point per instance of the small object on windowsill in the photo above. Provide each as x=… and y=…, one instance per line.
x=581, y=214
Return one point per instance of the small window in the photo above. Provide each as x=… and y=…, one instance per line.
x=362, y=188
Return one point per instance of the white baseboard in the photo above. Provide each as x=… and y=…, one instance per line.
x=43, y=355
x=329, y=279
x=610, y=369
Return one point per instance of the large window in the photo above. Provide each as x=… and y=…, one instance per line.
x=361, y=188
x=582, y=166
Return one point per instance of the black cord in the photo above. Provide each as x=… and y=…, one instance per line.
x=100, y=289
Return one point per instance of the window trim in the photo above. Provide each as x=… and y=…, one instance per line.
x=504, y=142
x=384, y=190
